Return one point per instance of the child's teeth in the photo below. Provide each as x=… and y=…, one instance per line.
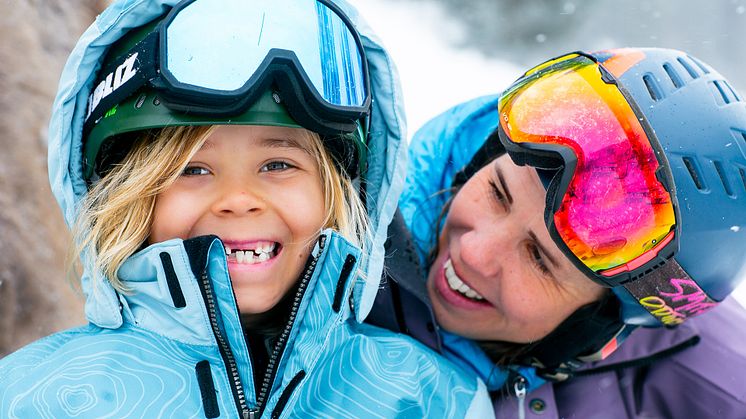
x=261, y=253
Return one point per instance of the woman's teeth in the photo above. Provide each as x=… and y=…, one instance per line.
x=458, y=285
x=261, y=252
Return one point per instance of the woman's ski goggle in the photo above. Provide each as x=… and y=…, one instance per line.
x=611, y=207
x=215, y=57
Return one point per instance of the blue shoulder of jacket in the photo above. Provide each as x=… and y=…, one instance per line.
x=14, y=366
x=411, y=380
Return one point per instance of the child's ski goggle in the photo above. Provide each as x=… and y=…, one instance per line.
x=215, y=57
x=612, y=207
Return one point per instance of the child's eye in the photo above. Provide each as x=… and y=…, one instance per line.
x=194, y=171
x=274, y=166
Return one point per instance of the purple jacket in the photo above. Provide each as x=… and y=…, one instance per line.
x=696, y=370
x=707, y=380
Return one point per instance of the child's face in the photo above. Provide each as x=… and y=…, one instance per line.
x=257, y=189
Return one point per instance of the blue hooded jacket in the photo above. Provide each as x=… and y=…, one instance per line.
x=174, y=346
x=437, y=152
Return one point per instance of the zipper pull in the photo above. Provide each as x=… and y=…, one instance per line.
x=519, y=387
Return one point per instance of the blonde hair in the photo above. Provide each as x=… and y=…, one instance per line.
x=116, y=215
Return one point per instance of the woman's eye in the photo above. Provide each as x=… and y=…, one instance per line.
x=498, y=195
x=194, y=171
x=276, y=166
x=538, y=259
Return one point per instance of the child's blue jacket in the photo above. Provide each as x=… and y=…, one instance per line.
x=174, y=347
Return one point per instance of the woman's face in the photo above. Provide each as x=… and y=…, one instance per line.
x=498, y=274
x=259, y=190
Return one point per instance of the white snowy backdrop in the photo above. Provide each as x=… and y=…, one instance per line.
x=443, y=59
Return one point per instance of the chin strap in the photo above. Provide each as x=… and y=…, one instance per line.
x=648, y=360
x=591, y=333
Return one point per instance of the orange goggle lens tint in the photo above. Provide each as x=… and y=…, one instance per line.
x=614, y=210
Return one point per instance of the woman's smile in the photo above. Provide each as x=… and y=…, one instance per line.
x=455, y=291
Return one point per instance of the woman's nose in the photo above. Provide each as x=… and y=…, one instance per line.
x=486, y=252
x=237, y=197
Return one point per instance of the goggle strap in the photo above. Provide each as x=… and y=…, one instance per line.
x=670, y=294
x=121, y=78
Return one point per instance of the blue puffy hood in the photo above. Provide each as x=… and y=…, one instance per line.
x=386, y=158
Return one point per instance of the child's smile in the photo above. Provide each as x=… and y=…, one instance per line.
x=259, y=190
x=251, y=253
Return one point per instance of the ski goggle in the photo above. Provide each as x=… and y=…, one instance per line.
x=611, y=208
x=215, y=57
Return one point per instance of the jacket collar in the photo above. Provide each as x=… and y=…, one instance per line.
x=166, y=282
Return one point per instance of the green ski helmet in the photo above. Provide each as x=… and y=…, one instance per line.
x=138, y=88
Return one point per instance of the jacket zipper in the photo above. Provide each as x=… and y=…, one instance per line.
x=281, y=342
x=225, y=350
x=519, y=388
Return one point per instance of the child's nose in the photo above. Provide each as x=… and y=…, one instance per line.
x=238, y=198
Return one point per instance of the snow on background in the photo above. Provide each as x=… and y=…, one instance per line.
x=435, y=75
x=438, y=69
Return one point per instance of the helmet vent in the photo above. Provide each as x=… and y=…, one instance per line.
x=673, y=75
x=723, y=177
x=653, y=88
x=688, y=67
x=699, y=64
x=721, y=96
x=691, y=166
x=727, y=92
x=743, y=177
x=731, y=90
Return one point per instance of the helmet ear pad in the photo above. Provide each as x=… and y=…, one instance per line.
x=112, y=151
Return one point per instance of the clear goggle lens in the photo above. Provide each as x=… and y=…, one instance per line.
x=226, y=58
